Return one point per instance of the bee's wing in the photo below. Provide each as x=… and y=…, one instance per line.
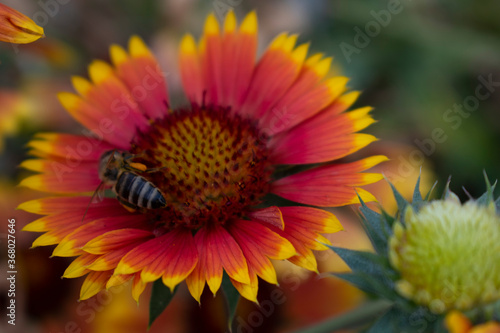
x=97, y=196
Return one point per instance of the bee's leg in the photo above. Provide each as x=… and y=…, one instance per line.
x=129, y=156
x=156, y=169
x=127, y=205
x=134, y=166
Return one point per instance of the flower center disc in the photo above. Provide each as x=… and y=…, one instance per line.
x=209, y=163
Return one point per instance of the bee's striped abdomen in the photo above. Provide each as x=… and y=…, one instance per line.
x=138, y=191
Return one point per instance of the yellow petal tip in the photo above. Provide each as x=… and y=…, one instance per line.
x=230, y=22
x=45, y=240
x=211, y=25
x=81, y=85
x=137, y=47
x=65, y=249
x=300, y=53
x=33, y=165
x=278, y=41
x=188, y=45
x=68, y=100
x=118, y=54
x=374, y=160
x=250, y=23
x=32, y=182
x=364, y=195
x=32, y=206
x=323, y=67
x=100, y=71
x=337, y=85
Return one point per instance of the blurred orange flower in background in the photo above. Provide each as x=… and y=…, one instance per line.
x=457, y=322
x=13, y=109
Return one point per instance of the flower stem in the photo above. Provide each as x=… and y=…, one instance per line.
x=357, y=317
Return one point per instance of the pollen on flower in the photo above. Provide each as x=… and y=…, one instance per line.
x=448, y=255
x=212, y=164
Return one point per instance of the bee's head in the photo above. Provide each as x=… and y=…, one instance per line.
x=109, y=166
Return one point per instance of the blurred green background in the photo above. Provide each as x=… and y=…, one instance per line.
x=422, y=64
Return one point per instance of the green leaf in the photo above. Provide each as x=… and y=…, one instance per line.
x=487, y=197
x=370, y=272
x=447, y=192
x=416, y=320
x=374, y=227
x=400, y=200
x=160, y=298
x=417, y=196
x=388, y=222
x=360, y=261
x=388, y=323
x=427, y=196
x=355, y=318
x=232, y=298
x=497, y=204
x=374, y=285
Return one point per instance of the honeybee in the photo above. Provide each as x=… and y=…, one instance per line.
x=132, y=190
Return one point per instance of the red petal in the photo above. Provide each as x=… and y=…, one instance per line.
x=300, y=103
x=172, y=256
x=175, y=262
x=109, y=260
x=190, y=69
x=248, y=290
x=78, y=267
x=274, y=74
x=196, y=281
x=72, y=244
x=181, y=260
x=138, y=287
x=58, y=177
x=72, y=148
x=263, y=238
x=317, y=220
x=54, y=205
x=218, y=249
x=325, y=137
x=331, y=185
x=116, y=239
x=143, y=255
x=143, y=77
x=238, y=58
x=112, y=99
x=257, y=249
x=210, y=59
x=303, y=226
x=94, y=283
x=90, y=116
x=271, y=215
